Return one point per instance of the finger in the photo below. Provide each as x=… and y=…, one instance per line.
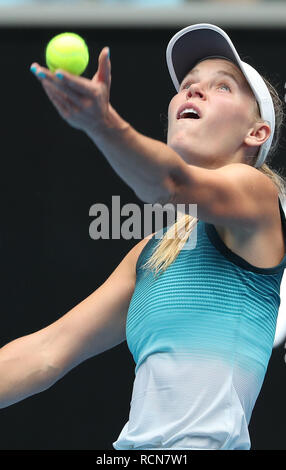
x=41, y=72
x=103, y=73
x=62, y=102
x=80, y=85
x=56, y=98
x=60, y=105
x=55, y=92
x=65, y=91
x=60, y=87
x=63, y=80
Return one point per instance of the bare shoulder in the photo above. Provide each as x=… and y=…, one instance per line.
x=136, y=250
x=263, y=247
x=261, y=199
x=125, y=273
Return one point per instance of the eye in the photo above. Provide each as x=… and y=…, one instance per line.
x=224, y=85
x=185, y=85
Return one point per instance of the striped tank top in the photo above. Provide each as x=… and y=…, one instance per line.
x=201, y=335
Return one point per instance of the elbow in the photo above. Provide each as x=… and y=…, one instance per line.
x=173, y=184
x=50, y=371
x=162, y=193
x=166, y=193
x=48, y=376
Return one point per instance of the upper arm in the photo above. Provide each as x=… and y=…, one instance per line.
x=97, y=323
x=235, y=196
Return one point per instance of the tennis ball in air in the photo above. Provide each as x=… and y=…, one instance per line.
x=67, y=51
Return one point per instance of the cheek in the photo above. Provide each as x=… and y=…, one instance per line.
x=173, y=106
x=228, y=114
x=239, y=119
x=170, y=107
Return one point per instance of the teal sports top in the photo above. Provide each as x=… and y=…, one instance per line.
x=201, y=335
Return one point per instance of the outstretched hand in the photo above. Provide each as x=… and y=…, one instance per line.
x=83, y=103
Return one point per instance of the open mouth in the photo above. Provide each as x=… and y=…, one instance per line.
x=189, y=114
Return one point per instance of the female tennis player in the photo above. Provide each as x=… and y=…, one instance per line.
x=199, y=322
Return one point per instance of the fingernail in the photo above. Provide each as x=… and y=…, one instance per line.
x=33, y=70
x=108, y=53
x=59, y=75
x=41, y=75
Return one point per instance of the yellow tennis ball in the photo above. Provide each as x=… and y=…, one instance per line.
x=67, y=51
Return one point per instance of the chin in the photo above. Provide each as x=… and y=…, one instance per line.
x=191, y=155
x=185, y=153
x=179, y=145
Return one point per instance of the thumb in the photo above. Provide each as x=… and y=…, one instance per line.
x=103, y=73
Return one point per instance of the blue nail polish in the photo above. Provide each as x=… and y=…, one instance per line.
x=108, y=53
x=33, y=70
x=41, y=75
x=59, y=75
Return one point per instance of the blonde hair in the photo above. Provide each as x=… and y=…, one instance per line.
x=176, y=236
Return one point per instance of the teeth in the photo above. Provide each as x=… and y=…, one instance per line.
x=189, y=110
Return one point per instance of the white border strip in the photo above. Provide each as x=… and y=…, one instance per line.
x=86, y=14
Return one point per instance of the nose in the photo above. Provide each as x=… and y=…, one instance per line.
x=195, y=89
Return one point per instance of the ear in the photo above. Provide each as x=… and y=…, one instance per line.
x=258, y=134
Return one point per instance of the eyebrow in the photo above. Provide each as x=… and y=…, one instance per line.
x=219, y=72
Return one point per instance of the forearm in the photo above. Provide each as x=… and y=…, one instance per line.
x=145, y=164
x=24, y=370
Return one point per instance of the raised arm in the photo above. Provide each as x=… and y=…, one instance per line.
x=142, y=162
x=33, y=363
